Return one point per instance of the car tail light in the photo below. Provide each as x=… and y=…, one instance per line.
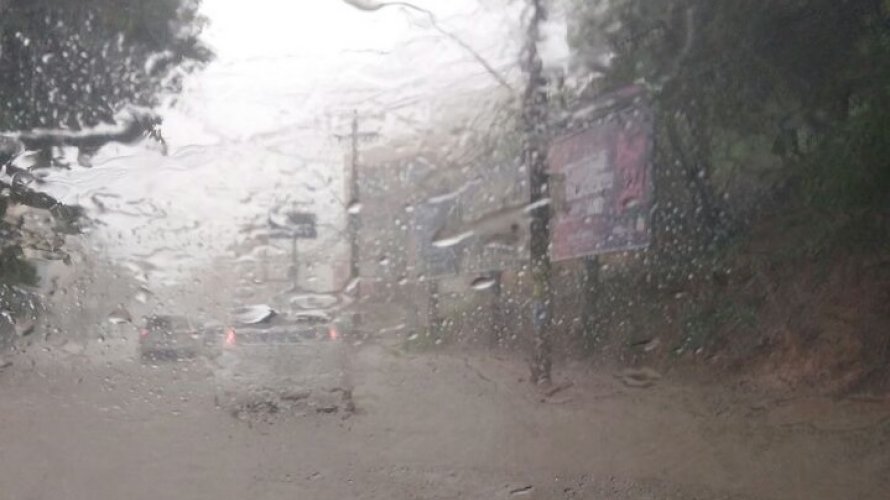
x=230, y=337
x=143, y=332
x=333, y=334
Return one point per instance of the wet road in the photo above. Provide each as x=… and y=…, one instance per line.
x=298, y=377
x=424, y=426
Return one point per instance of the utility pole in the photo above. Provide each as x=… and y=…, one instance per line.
x=265, y=262
x=591, y=285
x=295, y=262
x=353, y=208
x=354, y=221
x=534, y=157
x=498, y=329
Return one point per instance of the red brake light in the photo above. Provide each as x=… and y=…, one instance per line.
x=230, y=337
x=333, y=334
x=143, y=332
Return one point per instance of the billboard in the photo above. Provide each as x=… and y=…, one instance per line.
x=601, y=182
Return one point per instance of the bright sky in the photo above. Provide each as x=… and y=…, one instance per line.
x=255, y=128
x=283, y=62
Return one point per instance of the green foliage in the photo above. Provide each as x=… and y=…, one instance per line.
x=72, y=63
x=772, y=150
x=760, y=106
x=14, y=269
x=702, y=323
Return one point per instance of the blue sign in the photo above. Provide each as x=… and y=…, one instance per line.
x=429, y=219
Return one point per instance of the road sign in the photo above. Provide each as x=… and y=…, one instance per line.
x=435, y=260
x=602, y=183
x=302, y=224
x=295, y=225
x=502, y=246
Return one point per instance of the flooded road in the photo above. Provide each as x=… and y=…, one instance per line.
x=423, y=426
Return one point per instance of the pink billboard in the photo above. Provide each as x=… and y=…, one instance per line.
x=602, y=182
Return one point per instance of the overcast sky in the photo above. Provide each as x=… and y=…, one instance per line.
x=255, y=128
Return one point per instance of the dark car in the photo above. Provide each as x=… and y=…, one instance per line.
x=170, y=337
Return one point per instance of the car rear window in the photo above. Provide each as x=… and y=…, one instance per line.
x=315, y=320
x=168, y=322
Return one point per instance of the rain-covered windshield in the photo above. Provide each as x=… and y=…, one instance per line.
x=481, y=249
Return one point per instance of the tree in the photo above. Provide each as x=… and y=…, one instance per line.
x=73, y=64
x=76, y=73
x=757, y=103
x=771, y=155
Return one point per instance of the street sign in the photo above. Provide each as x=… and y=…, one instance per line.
x=602, y=183
x=295, y=225
x=502, y=246
x=469, y=252
x=302, y=224
x=429, y=218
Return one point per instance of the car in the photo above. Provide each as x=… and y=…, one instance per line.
x=265, y=352
x=170, y=337
x=313, y=318
x=270, y=327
